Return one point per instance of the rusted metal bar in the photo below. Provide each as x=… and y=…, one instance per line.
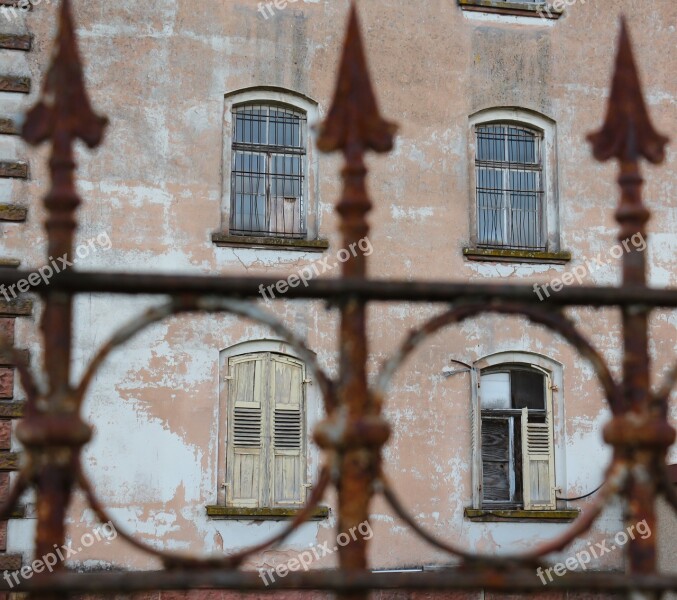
x=380, y=290
x=508, y=581
x=355, y=430
x=354, y=126
x=53, y=435
x=642, y=434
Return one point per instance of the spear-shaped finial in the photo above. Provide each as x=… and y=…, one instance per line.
x=354, y=117
x=64, y=108
x=627, y=133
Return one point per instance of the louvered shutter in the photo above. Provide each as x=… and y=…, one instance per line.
x=287, y=395
x=246, y=425
x=538, y=458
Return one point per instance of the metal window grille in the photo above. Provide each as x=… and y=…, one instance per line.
x=268, y=171
x=509, y=180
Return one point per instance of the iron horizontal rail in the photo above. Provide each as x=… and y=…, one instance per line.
x=335, y=289
x=340, y=581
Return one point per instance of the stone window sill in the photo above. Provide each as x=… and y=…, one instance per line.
x=247, y=241
x=514, y=8
x=485, y=515
x=525, y=256
x=262, y=514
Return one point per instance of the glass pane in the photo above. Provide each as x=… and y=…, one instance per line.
x=491, y=142
x=495, y=391
x=528, y=390
x=249, y=196
x=521, y=146
x=284, y=128
x=525, y=213
x=491, y=219
x=250, y=124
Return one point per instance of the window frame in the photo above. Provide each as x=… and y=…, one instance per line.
x=270, y=152
x=311, y=189
x=506, y=168
x=517, y=10
x=311, y=415
x=551, y=232
x=493, y=363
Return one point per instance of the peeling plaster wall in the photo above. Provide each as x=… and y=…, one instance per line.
x=159, y=70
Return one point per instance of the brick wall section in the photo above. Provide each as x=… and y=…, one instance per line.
x=14, y=38
x=7, y=458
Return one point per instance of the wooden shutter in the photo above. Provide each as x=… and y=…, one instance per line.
x=538, y=458
x=497, y=467
x=286, y=394
x=246, y=425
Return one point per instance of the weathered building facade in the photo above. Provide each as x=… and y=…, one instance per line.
x=203, y=424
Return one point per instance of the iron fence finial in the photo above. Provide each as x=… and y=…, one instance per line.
x=354, y=116
x=628, y=132
x=64, y=107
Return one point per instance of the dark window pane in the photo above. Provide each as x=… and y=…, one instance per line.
x=527, y=389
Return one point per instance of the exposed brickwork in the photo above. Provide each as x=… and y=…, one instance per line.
x=3, y=536
x=6, y=383
x=5, y=434
x=7, y=328
x=4, y=486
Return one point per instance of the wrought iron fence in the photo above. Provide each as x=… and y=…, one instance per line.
x=354, y=432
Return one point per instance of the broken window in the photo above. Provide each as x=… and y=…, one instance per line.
x=517, y=449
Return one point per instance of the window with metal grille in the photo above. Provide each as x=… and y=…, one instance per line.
x=268, y=171
x=509, y=186
x=517, y=454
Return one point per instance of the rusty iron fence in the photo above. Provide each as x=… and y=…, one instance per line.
x=354, y=432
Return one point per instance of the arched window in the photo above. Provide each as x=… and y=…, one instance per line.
x=513, y=187
x=270, y=195
x=514, y=432
x=268, y=171
x=517, y=438
x=509, y=185
x=266, y=438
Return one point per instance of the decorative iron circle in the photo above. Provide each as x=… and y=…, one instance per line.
x=616, y=473
x=209, y=305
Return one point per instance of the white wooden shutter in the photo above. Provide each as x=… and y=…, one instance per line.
x=246, y=425
x=288, y=466
x=538, y=458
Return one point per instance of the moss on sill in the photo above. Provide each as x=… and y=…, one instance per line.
x=507, y=255
x=262, y=514
x=513, y=8
x=485, y=515
x=250, y=241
